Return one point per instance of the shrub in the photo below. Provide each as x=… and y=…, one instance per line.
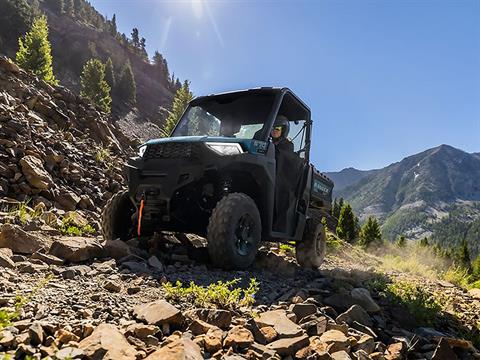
x=221, y=294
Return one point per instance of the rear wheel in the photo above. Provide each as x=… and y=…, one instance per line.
x=117, y=217
x=310, y=252
x=234, y=232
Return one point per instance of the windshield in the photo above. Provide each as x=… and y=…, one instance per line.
x=239, y=115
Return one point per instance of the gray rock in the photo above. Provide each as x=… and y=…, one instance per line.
x=355, y=313
x=19, y=241
x=76, y=249
x=362, y=297
x=158, y=312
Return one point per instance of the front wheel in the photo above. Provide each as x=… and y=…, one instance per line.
x=117, y=217
x=234, y=232
x=310, y=252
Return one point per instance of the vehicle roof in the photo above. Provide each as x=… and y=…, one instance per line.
x=265, y=89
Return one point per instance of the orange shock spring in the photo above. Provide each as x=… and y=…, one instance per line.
x=139, y=226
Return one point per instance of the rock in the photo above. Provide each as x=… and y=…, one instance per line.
x=6, y=258
x=362, y=297
x=289, y=346
x=341, y=355
x=65, y=336
x=35, y=173
x=36, y=334
x=48, y=258
x=238, y=337
x=213, y=340
x=355, y=313
x=142, y=331
x=365, y=343
x=68, y=200
x=107, y=343
x=475, y=293
x=336, y=340
x=6, y=338
x=443, y=351
x=76, y=249
x=68, y=353
x=8, y=65
x=217, y=317
x=181, y=349
x=340, y=301
x=280, y=322
x=117, y=249
x=19, y=241
x=395, y=351
x=303, y=310
x=155, y=263
x=112, y=286
x=269, y=333
x=198, y=327
x=158, y=313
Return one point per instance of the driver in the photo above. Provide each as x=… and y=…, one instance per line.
x=279, y=135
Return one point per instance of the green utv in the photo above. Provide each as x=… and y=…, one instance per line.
x=220, y=175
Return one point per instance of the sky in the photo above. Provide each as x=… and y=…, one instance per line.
x=384, y=79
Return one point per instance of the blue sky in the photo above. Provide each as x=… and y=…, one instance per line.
x=384, y=79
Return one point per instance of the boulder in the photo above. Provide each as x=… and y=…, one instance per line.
x=217, y=317
x=355, y=313
x=198, y=327
x=158, y=313
x=107, y=343
x=6, y=258
x=142, y=331
x=278, y=319
x=181, y=349
x=76, y=249
x=475, y=293
x=289, y=346
x=67, y=200
x=238, y=337
x=117, y=249
x=35, y=173
x=303, y=310
x=336, y=340
x=361, y=296
x=19, y=241
x=213, y=340
x=341, y=355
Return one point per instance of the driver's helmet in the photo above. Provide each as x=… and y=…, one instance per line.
x=282, y=121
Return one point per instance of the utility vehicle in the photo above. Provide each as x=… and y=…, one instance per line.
x=217, y=176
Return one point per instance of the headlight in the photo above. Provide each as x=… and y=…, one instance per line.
x=141, y=150
x=225, y=148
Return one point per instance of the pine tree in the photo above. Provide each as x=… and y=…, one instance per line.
x=370, y=232
x=476, y=269
x=56, y=5
x=69, y=8
x=113, y=25
x=35, y=53
x=346, y=224
x=143, y=50
x=109, y=73
x=135, y=38
x=94, y=87
x=126, y=86
x=182, y=97
x=462, y=255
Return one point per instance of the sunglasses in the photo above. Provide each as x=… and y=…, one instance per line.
x=277, y=128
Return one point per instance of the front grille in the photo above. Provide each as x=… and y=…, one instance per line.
x=171, y=151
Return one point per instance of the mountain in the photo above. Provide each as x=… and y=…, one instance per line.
x=80, y=33
x=413, y=195
x=347, y=177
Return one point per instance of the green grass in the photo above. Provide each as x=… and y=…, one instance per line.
x=69, y=228
x=223, y=295
x=23, y=212
x=287, y=248
x=102, y=154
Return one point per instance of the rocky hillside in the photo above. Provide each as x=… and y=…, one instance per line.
x=347, y=177
x=77, y=38
x=413, y=194
x=57, y=152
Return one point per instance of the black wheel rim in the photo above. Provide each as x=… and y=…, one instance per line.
x=244, y=235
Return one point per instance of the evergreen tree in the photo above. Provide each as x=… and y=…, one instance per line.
x=476, y=269
x=182, y=97
x=35, y=53
x=79, y=8
x=402, y=241
x=69, y=8
x=143, y=50
x=56, y=5
x=109, y=73
x=94, y=87
x=346, y=228
x=135, y=38
x=462, y=255
x=126, y=85
x=113, y=25
x=370, y=232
